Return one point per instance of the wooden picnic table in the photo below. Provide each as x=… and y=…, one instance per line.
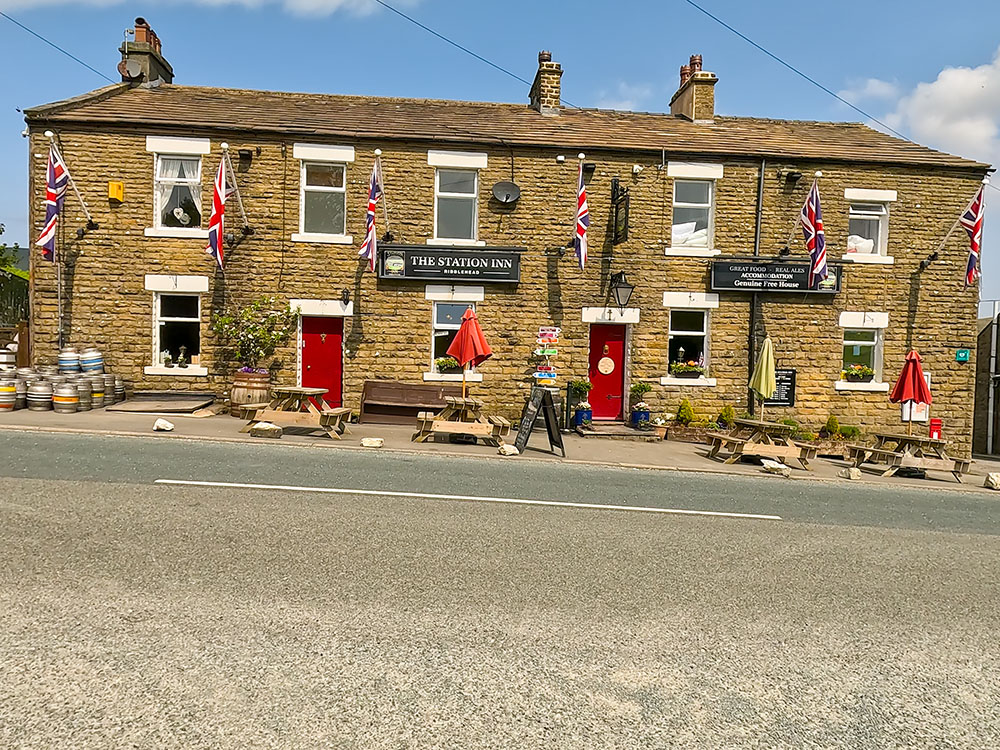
x=461, y=416
x=753, y=437
x=295, y=406
x=899, y=451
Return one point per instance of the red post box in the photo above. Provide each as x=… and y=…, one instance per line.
x=935, y=431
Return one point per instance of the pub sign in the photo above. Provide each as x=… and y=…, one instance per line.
x=769, y=276
x=419, y=262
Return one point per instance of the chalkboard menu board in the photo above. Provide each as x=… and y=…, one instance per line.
x=784, y=394
x=539, y=401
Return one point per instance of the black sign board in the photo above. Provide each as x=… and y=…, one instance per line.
x=619, y=207
x=784, y=394
x=539, y=401
x=752, y=276
x=449, y=264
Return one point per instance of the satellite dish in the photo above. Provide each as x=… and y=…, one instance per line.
x=133, y=68
x=506, y=192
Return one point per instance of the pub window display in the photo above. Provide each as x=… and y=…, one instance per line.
x=447, y=321
x=177, y=192
x=862, y=352
x=455, y=196
x=692, y=218
x=867, y=229
x=323, y=198
x=688, y=342
x=178, y=329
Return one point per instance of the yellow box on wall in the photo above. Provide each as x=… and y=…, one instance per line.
x=116, y=191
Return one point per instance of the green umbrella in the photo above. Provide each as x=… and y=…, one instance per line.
x=762, y=381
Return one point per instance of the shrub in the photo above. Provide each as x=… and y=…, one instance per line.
x=638, y=390
x=712, y=425
x=727, y=417
x=806, y=436
x=252, y=333
x=790, y=422
x=685, y=414
x=698, y=423
x=580, y=388
x=849, y=432
x=831, y=428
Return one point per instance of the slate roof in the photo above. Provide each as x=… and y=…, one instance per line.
x=355, y=117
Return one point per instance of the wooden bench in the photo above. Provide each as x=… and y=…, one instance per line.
x=501, y=426
x=393, y=402
x=334, y=421
x=739, y=447
x=247, y=411
x=866, y=454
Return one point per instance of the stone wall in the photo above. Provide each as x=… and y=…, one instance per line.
x=389, y=334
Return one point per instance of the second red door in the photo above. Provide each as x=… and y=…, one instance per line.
x=323, y=356
x=607, y=370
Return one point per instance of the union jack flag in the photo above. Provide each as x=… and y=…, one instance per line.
x=812, y=229
x=216, y=222
x=582, y=222
x=972, y=222
x=369, y=248
x=55, y=194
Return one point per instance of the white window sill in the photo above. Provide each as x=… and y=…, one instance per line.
x=452, y=377
x=692, y=252
x=456, y=243
x=702, y=382
x=870, y=387
x=191, y=371
x=323, y=239
x=885, y=260
x=177, y=232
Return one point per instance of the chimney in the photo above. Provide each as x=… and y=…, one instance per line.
x=545, y=91
x=695, y=97
x=142, y=59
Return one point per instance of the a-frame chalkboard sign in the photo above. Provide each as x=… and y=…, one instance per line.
x=540, y=400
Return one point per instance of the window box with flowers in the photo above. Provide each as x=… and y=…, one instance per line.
x=858, y=373
x=447, y=366
x=689, y=369
x=583, y=414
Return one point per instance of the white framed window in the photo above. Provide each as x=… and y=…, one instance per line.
x=176, y=334
x=861, y=361
x=693, y=214
x=863, y=347
x=688, y=338
x=177, y=192
x=323, y=199
x=868, y=229
x=456, y=197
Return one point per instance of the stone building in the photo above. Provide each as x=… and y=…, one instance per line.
x=712, y=203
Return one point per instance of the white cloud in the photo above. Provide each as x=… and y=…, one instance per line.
x=298, y=7
x=871, y=89
x=625, y=96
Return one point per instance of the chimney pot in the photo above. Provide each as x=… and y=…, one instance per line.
x=146, y=49
x=544, y=56
x=685, y=73
x=695, y=97
x=695, y=63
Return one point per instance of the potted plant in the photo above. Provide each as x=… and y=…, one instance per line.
x=583, y=415
x=858, y=373
x=689, y=369
x=659, y=425
x=640, y=414
x=251, y=334
x=447, y=366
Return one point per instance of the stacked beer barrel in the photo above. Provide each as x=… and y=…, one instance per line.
x=78, y=382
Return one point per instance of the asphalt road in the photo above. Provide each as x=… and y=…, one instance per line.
x=137, y=614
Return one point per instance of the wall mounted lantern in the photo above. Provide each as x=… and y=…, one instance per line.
x=621, y=290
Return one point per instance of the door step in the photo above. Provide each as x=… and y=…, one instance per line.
x=616, y=431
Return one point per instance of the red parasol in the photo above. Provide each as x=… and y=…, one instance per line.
x=469, y=346
x=911, y=386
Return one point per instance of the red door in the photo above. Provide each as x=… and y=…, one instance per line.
x=323, y=357
x=607, y=370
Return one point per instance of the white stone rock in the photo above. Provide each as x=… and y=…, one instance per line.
x=507, y=450
x=162, y=425
x=265, y=430
x=776, y=467
x=852, y=472
x=992, y=481
x=371, y=442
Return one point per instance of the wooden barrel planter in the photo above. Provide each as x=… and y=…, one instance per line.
x=249, y=388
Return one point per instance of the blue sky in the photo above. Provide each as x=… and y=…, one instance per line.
x=927, y=71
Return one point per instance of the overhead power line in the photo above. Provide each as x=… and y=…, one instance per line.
x=455, y=44
x=56, y=47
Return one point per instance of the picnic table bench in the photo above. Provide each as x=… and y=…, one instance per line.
x=294, y=406
x=750, y=437
x=461, y=416
x=909, y=452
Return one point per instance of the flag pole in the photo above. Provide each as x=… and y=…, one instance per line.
x=381, y=182
x=798, y=216
x=940, y=247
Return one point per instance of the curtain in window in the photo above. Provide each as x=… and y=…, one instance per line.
x=179, y=203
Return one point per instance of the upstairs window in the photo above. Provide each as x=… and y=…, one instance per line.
x=323, y=198
x=867, y=231
x=456, y=193
x=692, y=221
x=177, y=191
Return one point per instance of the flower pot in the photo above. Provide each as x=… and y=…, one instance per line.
x=859, y=378
x=248, y=388
x=583, y=416
x=638, y=417
x=688, y=374
x=661, y=431
x=450, y=371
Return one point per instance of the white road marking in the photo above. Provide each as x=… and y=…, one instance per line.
x=471, y=498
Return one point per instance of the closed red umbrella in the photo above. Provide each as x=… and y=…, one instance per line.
x=469, y=346
x=911, y=386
